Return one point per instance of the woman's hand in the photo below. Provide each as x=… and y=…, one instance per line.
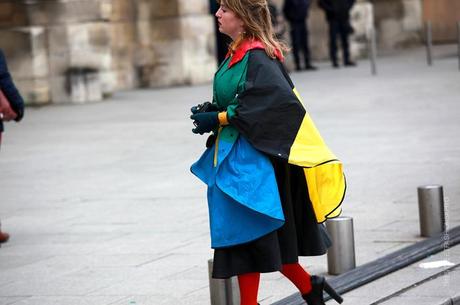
x=8, y=115
x=6, y=112
x=205, y=122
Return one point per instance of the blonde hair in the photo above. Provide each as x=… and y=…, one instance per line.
x=257, y=24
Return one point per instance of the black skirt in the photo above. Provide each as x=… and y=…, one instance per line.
x=300, y=235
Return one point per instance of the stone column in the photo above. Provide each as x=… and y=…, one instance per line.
x=176, y=39
x=123, y=43
x=79, y=50
x=69, y=51
x=25, y=48
x=27, y=58
x=362, y=21
x=398, y=22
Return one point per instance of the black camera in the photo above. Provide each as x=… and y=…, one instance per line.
x=205, y=107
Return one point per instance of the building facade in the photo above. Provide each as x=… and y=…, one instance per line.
x=73, y=51
x=76, y=51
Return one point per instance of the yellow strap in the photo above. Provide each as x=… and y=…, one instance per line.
x=223, y=120
x=216, y=148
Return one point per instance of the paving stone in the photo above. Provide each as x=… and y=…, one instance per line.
x=415, y=300
x=10, y=300
x=100, y=202
x=72, y=300
x=74, y=283
x=162, y=299
x=398, y=287
x=445, y=286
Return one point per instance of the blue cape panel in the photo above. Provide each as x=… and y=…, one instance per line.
x=243, y=198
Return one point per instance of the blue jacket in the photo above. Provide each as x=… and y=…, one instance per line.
x=10, y=90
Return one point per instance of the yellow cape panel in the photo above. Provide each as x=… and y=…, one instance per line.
x=323, y=172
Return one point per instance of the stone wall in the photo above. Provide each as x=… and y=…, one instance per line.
x=399, y=23
x=177, y=38
x=75, y=51
x=26, y=51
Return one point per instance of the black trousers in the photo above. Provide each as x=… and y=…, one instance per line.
x=339, y=29
x=299, y=38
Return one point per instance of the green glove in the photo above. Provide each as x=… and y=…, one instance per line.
x=205, y=122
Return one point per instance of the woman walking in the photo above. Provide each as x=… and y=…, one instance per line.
x=271, y=179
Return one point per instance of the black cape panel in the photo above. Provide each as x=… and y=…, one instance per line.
x=272, y=118
x=270, y=126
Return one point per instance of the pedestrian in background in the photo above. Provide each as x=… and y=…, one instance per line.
x=271, y=179
x=11, y=108
x=296, y=13
x=279, y=27
x=338, y=17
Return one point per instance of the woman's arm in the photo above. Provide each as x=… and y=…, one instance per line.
x=9, y=89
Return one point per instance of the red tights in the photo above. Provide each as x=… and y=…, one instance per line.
x=249, y=282
x=249, y=286
x=298, y=276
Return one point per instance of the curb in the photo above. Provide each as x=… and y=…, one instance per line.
x=387, y=264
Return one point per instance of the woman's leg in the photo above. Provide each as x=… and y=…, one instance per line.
x=249, y=286
x=298, y=276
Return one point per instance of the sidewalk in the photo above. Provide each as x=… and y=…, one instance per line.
x=102, y=208
x=419, y=283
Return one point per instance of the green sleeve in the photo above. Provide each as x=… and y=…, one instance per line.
x=231, y=110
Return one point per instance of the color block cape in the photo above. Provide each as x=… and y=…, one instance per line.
x=268, y=121
x=272, y=118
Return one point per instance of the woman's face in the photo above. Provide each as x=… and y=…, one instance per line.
x=229, y=23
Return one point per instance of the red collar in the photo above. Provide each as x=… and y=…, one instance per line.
x=246, y=46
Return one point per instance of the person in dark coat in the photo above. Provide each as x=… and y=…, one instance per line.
x=10, y=91
x=11, y=108
x=296, y=13
x=338, y=17
x=277, y=23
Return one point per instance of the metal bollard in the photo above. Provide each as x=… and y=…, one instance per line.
x=341, y=256
x=429, y=43
x=458, y=42
x=372, y=49
x=223, y=291
x=431, y=210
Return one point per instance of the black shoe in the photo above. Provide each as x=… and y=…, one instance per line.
x=350, y=64
x=335, y=65
x=310, y=68
x=315, y=296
